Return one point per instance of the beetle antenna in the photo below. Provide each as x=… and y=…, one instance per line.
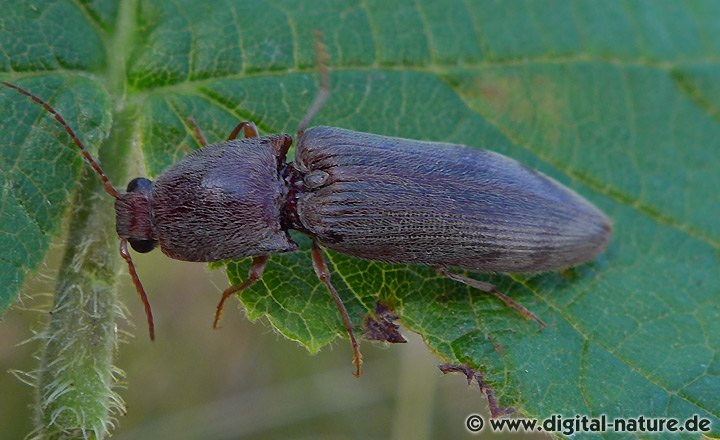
x=108, y=188
x=76, y=140
x=322, y=58
x=138, y=286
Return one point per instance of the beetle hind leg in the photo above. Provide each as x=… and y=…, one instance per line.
x=495, y=409
x=323, y=273
x=489, y=288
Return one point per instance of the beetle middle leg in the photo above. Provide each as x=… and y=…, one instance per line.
x=489, y=288
x=322, y=271
x=255, y=273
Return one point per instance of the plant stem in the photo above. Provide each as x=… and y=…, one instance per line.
x=75, y=380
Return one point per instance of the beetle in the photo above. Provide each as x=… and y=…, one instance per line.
x=369, y=196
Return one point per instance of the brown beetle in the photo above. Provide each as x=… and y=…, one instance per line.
x=369, y=196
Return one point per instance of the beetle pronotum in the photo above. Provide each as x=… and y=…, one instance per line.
x=369, y=196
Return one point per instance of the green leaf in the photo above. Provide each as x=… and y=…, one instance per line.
x=618, y=100
x=40, y=166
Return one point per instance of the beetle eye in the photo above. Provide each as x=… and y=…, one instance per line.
x=143, y=246
x=139, y=183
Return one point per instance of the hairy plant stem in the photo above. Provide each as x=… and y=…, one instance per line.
x=75, y=380
x=76, y=377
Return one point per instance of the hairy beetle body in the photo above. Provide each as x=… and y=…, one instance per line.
x=223, y=201
x=407, y=201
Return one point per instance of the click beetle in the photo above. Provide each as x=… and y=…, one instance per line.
x=369, y=196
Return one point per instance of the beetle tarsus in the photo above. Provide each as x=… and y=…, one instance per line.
x=489, y=288
x=255, y=273
x=380, y=326
x=495, y=409
x=323, y=274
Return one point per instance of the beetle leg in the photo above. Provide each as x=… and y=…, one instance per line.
x=495, y=409
x=323, y=273
x=198, y=132
x=255, y=273
x=249, y=129
x=489, y=288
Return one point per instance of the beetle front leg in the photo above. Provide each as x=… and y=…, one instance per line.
x=489, y=288
x=255, y=273
x=249, y=129
x=323, y=273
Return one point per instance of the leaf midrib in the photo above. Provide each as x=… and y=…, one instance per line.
x=118, y=48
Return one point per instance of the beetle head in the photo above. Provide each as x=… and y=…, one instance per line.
x=133, y=213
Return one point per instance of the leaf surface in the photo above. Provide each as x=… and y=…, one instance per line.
x=620, y=101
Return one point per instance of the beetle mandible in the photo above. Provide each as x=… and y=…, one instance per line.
x=369, y=196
